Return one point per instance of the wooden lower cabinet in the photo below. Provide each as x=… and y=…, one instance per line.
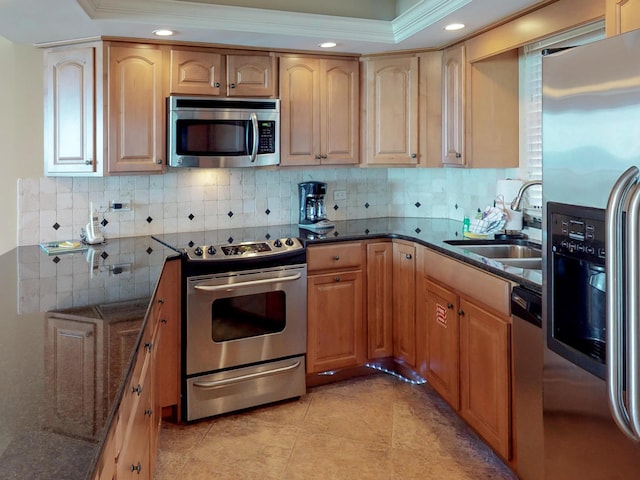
x=404, y=295
x=380, y=299
x=437, y=315
x=485, y=375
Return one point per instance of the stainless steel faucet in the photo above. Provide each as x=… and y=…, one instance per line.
x=515, y=205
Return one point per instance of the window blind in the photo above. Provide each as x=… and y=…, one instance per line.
x=532, y=102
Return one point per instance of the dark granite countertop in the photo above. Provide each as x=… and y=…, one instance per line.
x=45, y=434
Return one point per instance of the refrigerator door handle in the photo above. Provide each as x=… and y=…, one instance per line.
x=614, y=264
x=633, y=310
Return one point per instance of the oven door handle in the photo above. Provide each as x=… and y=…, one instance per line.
x=242, y=378
x=251, y=283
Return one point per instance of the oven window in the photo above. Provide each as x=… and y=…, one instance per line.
x=214, y=137
x=248, y=316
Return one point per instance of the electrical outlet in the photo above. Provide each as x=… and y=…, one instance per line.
x=120, y=205
x=340, y=195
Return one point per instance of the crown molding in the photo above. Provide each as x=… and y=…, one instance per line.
x=423, y=15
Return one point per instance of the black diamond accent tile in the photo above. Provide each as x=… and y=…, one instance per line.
x=335, y=234
x=56, y=226
x=191, y=244
x=456, y=206
x=104, y=222
x=267, y=236
x=366, y=232
x=366, y=205
x=230, y=214
x=230, y=239
x=417, y=230
x=336, y=207
x=267, y=211
x=149, y=250
x=56, y=259
x=418, y=204
x=149, y=219
x=456, y=234
x=191, y=216
x=104, y=255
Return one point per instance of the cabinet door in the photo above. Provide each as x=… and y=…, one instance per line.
x=485, y=375
x=340, y=112
x=380, y=299
x=404, y=295
x=453, y=106
x=167, y=300
x=251, y=76
x=392, y=111
x=438, y=309
x=335, y=321
x=196, y=73
x=69, y=112
x=299, y=111
x=136, y=110
x=73, y=380
x=621, y=16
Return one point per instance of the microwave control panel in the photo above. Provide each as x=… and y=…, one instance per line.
x=266, y=136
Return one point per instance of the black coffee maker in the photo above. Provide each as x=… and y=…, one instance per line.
x=313, y=214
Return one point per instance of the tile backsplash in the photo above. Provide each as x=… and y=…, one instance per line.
x=56, y=208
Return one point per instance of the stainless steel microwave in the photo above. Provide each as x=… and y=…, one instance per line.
x=219, y=132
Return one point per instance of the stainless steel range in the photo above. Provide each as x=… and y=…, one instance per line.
x=244, y=323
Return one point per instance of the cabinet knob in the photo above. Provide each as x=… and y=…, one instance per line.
x=408, y=256
x=161, y=301
x=137, y=389
x=136, y=468
x=233, y=85
x=148, y=412
x=461, y=312
x=163, y=320
x=318, y=157
x=217, y=84
x=458, y=155
x=413, y=155
x=148, y=346
x=159, y=161
x=323, y=156
x=336, y=258
x=450, y=306
x=88, y=162
x=336, y=278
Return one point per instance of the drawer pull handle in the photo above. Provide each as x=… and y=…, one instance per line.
x=336, y=278
x=136, y=468
x=137, y=389
x=245, y=378
x=336, y=258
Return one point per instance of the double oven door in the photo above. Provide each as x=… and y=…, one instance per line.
x=245, y=338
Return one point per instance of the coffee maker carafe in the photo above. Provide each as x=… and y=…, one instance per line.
x=313, y=214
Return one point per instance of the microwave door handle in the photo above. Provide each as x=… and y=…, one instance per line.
x=615, y=282
x=254, y=122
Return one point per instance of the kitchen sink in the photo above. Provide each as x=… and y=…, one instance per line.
x=512, y=253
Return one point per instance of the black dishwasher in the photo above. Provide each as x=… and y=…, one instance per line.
x=526, y=310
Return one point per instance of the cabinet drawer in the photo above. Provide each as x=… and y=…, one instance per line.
x=469, y=281
x=335, y=256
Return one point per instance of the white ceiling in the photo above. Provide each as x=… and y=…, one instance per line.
x=358, y=26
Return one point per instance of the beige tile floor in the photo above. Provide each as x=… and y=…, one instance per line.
x=374, y=427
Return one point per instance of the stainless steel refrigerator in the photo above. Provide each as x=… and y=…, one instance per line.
x=591, y=294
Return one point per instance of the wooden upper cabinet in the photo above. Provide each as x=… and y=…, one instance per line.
x=206, y=72
x=70, y=112
x=136, y=110
x=391, y=113
x=319, y=111
x=251, y=76
x=453, y=106
x=196, y=72
x=621, y=16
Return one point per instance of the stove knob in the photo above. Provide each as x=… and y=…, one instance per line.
x=277, y=243
x=289, y=242
x=211, y=250
x=197, y=252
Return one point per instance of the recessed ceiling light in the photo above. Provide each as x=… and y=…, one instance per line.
x=327, y=44
x=163, y=32
x=454, y=26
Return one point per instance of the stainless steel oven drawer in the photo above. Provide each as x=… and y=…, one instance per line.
x=245, y=387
